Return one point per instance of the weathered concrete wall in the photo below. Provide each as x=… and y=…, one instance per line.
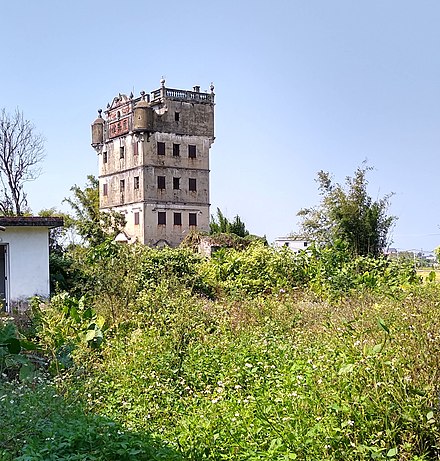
x=170, y=233
x=134, y=224
x=194, y=119
x=148, y=230
x=115, y=166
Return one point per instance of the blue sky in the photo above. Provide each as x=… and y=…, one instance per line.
x=300, y=86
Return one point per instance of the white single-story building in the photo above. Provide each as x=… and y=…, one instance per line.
x=24, y=259
x=292, y=243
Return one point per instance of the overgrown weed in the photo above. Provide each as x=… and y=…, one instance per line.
x=293, y=358
x=275, y=377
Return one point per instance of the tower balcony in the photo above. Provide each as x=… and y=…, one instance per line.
x=182, y=95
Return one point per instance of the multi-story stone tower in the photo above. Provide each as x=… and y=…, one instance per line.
x=154, y=162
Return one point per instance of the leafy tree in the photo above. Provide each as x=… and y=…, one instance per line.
x=92, y=225
x=221, y=225
x=348, y=214
x=238, y=227
x=70, y=263
x=21, y=151
x=60, y=262
x=57, y=234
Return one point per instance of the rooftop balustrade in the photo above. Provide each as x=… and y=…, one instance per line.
x=185, y=95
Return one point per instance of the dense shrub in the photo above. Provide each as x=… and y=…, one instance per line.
x=112, y=275
x=330, y=273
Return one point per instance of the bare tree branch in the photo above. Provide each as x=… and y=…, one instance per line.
x=21, y=151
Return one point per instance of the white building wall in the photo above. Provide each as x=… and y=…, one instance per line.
x=293, y=244
x=27, y=263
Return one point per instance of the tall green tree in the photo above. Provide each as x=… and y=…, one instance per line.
x=93, y=225
x=348, y=214
x=220, y=224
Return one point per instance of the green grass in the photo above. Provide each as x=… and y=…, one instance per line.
x=37, y=423
x=277, y=377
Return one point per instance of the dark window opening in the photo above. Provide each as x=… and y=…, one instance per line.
x=176, y=150
x=160, y=148
x=176, y=116
x=192, y=151
x=136, y=182
x=161, y=182
x=161, y=218
x=136, y=218
x=122, y=185
x=177, y=219
x=121, y=152
x=104, y=157
x=104, y=189
x=193, y=219
x=192, y=184
x=176, y=183
x=135, y=149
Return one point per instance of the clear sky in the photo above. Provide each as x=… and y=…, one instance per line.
x=300, y=86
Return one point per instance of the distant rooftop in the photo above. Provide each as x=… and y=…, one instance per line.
x=31, y=221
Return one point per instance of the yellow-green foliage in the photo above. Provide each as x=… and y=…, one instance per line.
x=328, y=272
x=258, y=354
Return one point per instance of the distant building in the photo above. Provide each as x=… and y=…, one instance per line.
x=24, y=259
x=292, y=243
x=154, y=162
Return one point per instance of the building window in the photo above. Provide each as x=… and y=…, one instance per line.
x=192, y=151
x=136, y=182
x=135, y=148
x=104, y=189
x=193, y=219
x=136, y=218
x=160, y=148
x=122, y=185
x=177, y=219
x=176, y=150
x=161, y=218
x=161, y=182
x=104, y=157
x=192, y=184
x=176, y=183
x=176, y=116
x=121, y=152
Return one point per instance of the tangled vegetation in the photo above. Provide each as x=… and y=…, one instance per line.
x=254, y=354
